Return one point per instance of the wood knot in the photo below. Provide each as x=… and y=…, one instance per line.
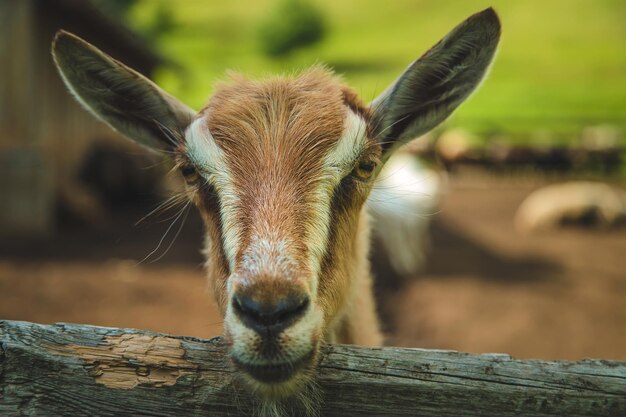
x=142, y=371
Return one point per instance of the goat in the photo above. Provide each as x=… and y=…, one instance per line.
x=280, y=171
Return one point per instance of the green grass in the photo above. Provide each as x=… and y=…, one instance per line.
x=561, y=64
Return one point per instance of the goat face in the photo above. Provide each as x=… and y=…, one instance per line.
x=280, y=171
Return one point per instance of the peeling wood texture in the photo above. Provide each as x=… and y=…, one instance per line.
x=75, y=370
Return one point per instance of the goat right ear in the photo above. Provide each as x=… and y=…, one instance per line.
x=121, y=97
x=432, y=87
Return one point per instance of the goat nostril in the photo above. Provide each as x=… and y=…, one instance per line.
x=245, y=305
x=294, y=308
x=273, y=317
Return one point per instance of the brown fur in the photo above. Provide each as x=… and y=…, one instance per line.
x=280, y=130
x=217, y=267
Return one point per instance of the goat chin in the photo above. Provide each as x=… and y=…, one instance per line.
x=300, y=396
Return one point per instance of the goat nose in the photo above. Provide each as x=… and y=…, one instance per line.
x=269, y=318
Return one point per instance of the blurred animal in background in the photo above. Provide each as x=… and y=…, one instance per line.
x=402, y=204
x=280, y=171
x=575, y=203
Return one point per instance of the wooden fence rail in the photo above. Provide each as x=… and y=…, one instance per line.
x=76, y=370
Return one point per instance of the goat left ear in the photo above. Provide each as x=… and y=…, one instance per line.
x=437, y=83
x=121, y=97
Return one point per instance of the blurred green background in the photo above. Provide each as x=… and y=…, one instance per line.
x=561, y=64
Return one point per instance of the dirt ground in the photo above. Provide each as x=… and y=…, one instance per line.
x=486, y=288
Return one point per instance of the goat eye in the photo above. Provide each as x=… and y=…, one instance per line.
x=189, y=173
x=365, y=169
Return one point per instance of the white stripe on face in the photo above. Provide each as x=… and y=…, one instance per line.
x=337, y=164
x=345, y=152
x=212, y=165
x=268, y=255
x=210, y=161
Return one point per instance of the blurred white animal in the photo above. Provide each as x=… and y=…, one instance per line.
x=580, y=202
x=402, y=204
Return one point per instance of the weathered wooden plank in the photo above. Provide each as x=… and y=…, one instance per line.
x=75, y=370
